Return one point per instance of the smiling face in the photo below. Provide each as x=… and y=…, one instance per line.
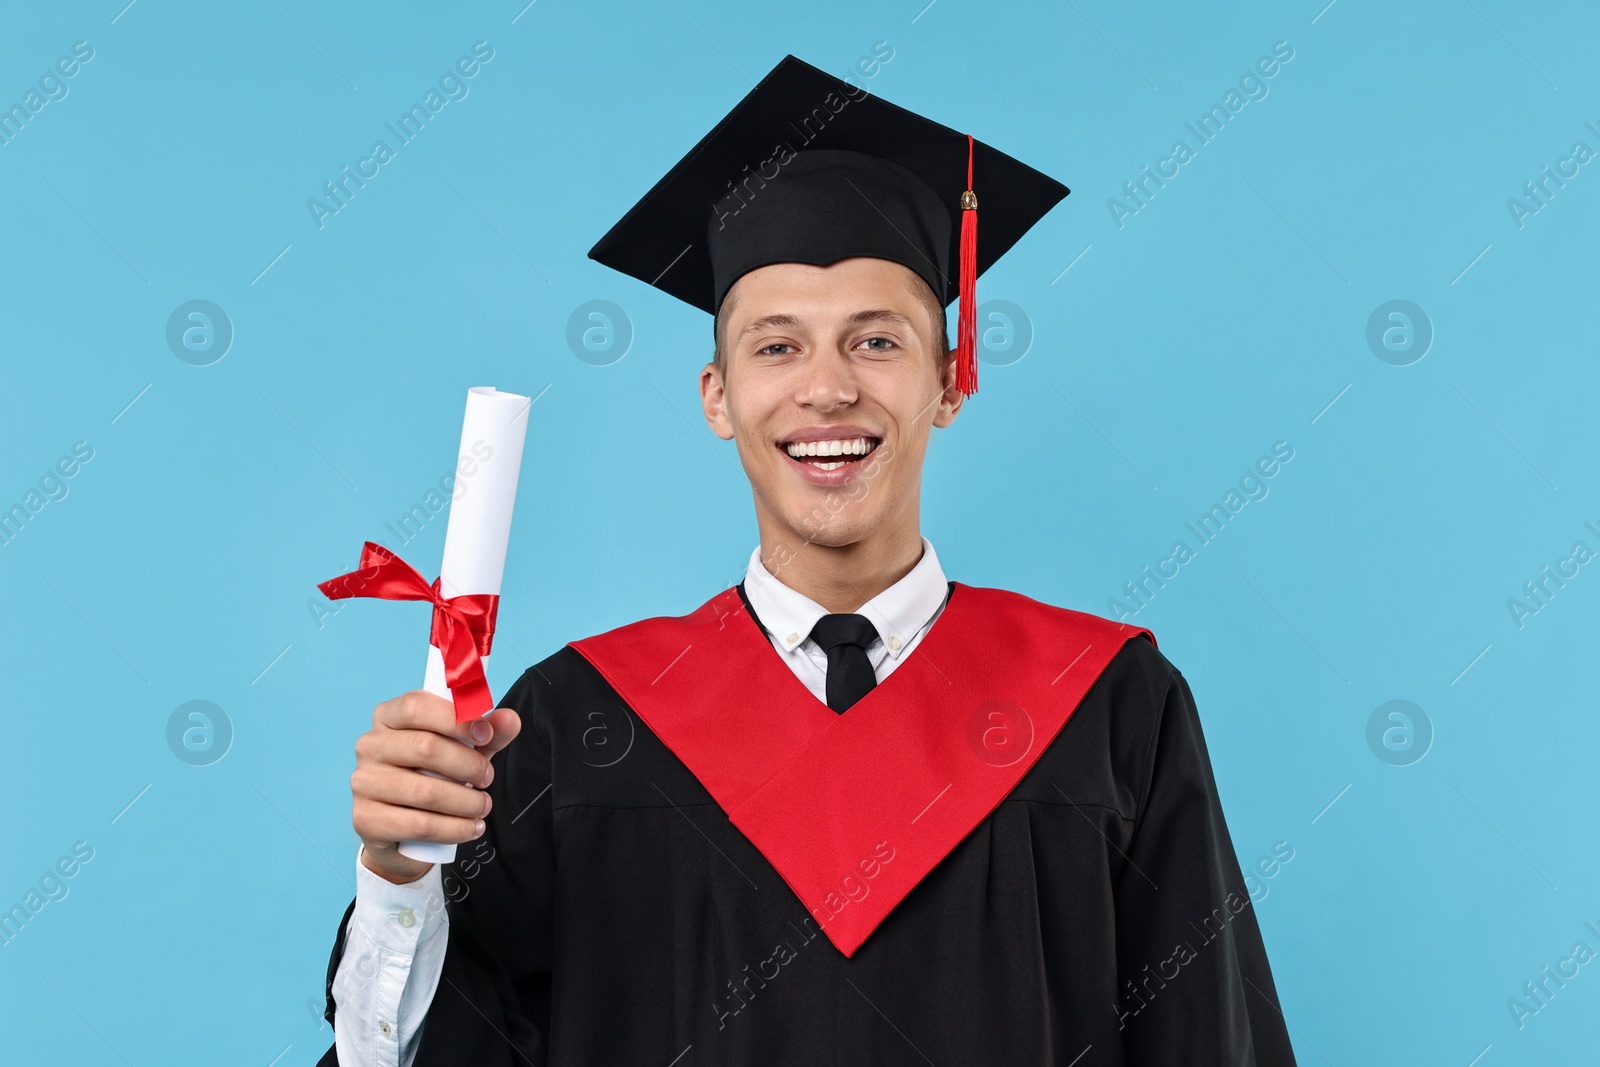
x=830, y=380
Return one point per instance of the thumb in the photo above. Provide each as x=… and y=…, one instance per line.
x=503, y=727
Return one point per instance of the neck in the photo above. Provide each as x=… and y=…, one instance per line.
x=842, y=577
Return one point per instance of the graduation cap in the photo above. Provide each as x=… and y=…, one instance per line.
x=809, y=168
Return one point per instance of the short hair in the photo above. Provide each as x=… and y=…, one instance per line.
x=925, y=297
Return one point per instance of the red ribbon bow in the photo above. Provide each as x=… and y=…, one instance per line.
x=463, y=626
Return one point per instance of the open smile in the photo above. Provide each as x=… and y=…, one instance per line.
x=831, y=454
x=828, y=457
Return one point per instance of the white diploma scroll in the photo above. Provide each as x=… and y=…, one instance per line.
x=478, y=529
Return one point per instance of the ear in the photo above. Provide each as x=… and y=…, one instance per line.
x=951, y=399
x=714, y=401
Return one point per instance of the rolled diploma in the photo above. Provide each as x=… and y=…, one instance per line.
x=477, y=530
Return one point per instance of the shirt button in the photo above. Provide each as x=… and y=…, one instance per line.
x=793, y=638
x=407, y=917
x=386, y=1028
x=894, y=644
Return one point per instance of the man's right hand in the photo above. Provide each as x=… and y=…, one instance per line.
x=394, y=801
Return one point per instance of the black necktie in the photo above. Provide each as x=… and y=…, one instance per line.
x=845, y=639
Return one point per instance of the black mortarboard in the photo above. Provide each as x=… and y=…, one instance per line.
x=809, y=168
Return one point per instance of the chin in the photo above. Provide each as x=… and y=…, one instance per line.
x=834, y=534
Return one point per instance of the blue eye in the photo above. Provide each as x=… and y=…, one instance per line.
x=769, y=348
x=884, y=341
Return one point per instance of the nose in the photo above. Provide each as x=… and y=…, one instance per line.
x=827, y=381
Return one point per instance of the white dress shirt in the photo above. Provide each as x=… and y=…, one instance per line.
x=395, y=943
x=901, y=614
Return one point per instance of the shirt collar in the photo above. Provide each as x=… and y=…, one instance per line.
x=898, y=613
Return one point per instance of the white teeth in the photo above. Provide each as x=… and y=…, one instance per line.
x=856, y=446
x=828, y=466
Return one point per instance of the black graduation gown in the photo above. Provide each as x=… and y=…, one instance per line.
x=613, y=914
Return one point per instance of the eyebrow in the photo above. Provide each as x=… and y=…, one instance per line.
x=855, y=319
x=767, y=322
x=879, y=315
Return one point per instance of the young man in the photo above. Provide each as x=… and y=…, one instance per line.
x=847, y=812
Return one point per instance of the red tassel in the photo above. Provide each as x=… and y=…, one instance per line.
x=967, y=309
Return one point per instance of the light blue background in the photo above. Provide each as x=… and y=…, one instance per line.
x=1224, y=316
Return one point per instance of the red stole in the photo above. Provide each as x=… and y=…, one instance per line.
x=854, y=809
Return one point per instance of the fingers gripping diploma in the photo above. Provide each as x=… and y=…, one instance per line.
x=421, y=776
